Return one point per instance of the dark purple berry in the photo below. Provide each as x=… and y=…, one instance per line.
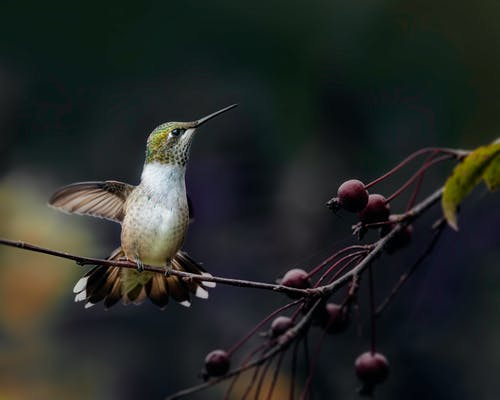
x=376, y=210
x=280, y=325
x=352, y=195
x=296, y=278
x=217, y=363
x=372, y=368
x=336, y=319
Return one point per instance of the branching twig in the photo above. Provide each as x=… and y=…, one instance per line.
x=379, y=247
x=318, y=294
x=402, y=280
x=280, y=346
x=260, y=324
x=247, y=359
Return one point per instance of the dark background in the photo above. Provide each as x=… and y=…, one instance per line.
x=328, y=90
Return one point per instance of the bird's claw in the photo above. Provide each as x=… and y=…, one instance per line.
x=168, y=268
x=140, y=265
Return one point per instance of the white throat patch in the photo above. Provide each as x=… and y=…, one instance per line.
x=156, y=175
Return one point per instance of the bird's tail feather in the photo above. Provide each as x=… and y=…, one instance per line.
x=110, y=284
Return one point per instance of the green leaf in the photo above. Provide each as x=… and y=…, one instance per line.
x=492, y=174
x=482, y=163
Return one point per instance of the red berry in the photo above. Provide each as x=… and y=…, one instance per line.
x=337, y=318
x=296, y=278
x=376, y=210
x=352, y=195
x=372, y=368
x=217, y=363
x=280, y=325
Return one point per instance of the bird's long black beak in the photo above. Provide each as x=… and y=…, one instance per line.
x=201, y=121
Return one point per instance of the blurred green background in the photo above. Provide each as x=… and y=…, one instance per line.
x=328, y=90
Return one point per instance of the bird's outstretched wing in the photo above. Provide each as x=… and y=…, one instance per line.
x=99, y=199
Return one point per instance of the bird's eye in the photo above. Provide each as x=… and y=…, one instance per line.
x=177, y=132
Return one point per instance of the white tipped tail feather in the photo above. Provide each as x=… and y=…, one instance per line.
x=112, y=284
x=80, y=285
x=208, y=284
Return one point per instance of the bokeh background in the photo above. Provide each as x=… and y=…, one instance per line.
x=328, y=90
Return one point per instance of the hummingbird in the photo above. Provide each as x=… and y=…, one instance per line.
x=154, y=218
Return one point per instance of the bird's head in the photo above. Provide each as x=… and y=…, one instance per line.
x=169, y=143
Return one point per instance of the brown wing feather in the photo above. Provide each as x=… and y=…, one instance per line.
x=99, y=199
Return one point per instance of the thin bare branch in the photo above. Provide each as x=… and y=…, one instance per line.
x=129, y=264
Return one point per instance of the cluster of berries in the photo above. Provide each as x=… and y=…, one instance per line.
x=373, y=212
x=371, y=368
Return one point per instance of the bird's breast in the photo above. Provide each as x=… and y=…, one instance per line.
x=156, y=221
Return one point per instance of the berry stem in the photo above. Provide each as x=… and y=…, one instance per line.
x=252, y=332
x=335, y=255
x=275, y=375
x=294, y=369
x=377, y=224
x=418, y=185
x=313, y=365
x=411, y=157
x=408, y=159
x=263, y=374
x=337, y=263
x=307, y=359
x=344, y=267
x=246, y=360
x=230, y=387
x=417, y=175
x=251, y=382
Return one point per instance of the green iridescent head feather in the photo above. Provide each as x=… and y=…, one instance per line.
x=169, y=143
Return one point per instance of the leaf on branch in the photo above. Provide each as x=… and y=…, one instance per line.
x=482, y=163
x=492, y=174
